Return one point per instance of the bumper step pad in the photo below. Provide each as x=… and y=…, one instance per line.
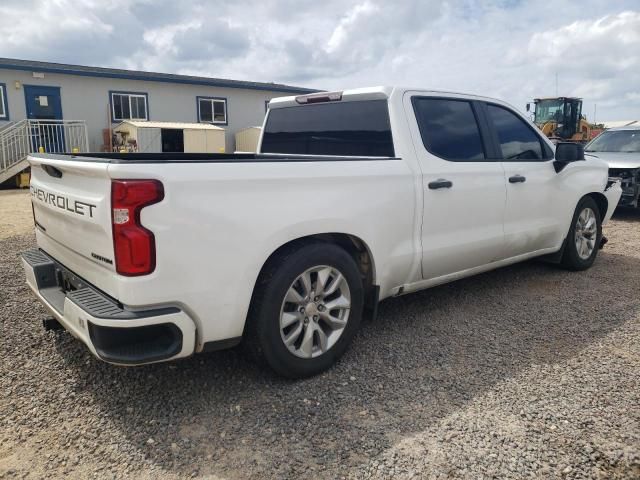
x=48, y=276
x=119, y=343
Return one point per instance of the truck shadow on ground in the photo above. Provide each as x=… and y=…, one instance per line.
x=425, y=356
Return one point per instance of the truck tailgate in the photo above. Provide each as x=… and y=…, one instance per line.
x=72, y=210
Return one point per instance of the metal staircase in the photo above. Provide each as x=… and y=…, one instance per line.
x=19, y=139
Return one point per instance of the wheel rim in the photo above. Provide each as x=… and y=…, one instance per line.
x=586, y=232
x=315, y=311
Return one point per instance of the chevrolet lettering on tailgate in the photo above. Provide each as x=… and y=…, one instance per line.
x=62, y=202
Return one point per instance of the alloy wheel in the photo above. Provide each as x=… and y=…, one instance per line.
x=586, y=233
x=315, y=311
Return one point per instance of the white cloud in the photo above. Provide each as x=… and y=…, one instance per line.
x=22, y=25
x=622, y=29
x=344, y=28
x=598, y=59
x=510, y=49
x=162, y=38
x=609, y=44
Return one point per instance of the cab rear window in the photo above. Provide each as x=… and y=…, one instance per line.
x=359, y=128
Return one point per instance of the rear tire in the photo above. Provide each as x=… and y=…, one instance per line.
x=584, y=237
x=305, y=310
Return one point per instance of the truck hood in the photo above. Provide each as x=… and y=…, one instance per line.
x=618, y=159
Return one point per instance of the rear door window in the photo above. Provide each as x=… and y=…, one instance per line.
x=359, y=128
x=449, y=128
x=517, y=140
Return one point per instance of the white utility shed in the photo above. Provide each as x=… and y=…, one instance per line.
x=158, y=137
x=247, y=139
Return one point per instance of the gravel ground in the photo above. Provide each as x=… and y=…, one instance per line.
x=524, y=372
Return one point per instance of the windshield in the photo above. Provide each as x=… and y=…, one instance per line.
x=549, y=111
x=616, y=141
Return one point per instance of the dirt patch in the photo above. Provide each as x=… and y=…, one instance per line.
x=16, y=217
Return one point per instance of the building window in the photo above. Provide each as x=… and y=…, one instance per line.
x=212, y=110
x=129, y=106
x=4, y=110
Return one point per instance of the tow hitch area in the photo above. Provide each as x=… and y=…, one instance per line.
x=603, y=242
x=51, y=324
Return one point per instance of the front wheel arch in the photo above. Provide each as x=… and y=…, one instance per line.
x=571, y=259
x=601, y=202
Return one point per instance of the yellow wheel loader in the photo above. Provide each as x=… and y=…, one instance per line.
x=561, y=119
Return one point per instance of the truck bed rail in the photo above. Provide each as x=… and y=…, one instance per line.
x=205, y=157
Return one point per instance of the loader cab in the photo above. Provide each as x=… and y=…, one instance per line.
x=558, y=117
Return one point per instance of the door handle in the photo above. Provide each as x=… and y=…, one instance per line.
x=517, y=179
x=440, y=183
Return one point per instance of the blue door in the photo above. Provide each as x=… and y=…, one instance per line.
x=45, y=106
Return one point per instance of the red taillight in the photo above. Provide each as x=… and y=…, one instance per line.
x=134, y=245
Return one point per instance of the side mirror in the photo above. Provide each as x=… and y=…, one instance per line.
x=528, y=107
x=567, y=152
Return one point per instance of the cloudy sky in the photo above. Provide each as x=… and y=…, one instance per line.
x=512, y=49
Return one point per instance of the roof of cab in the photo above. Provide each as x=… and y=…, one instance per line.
x=379, y=93
x=367, y=93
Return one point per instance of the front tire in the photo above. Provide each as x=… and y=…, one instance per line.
x=584, y=237
x=306, y=309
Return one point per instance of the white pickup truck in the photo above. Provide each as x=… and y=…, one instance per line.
x=356, y=196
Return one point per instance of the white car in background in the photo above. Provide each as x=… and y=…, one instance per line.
x=355, y=196
x=620, y=148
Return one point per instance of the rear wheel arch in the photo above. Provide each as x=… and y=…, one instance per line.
x=266, y=337
x=352, y=244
